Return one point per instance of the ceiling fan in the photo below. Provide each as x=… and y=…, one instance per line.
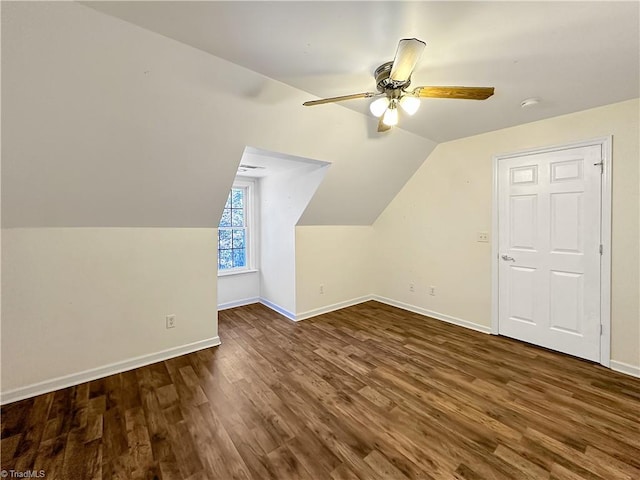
x=393, y=80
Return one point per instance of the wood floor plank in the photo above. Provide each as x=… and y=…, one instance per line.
x=343, y=472
x=93, y=460
x=383, y=467
x=286, y=466
x=95, y=418
x=33, y=429
x=74, y=462
x=528, y=469
x=369, y=392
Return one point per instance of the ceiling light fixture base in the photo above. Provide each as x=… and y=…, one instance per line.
x=384, y=83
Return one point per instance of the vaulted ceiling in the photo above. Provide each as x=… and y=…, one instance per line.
x=570, y=55
x=136, y=114
x=106, y=124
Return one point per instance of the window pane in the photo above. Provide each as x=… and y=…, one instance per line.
x=232, y=233
x=237, y=198
x=225, y=221
x=239, y=258
x=237, y=218
x=224, y=239
x=238, y=238
x=225, y=259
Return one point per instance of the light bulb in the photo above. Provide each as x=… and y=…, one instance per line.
x=390, y=116
x=410, y=104
x=379, y=106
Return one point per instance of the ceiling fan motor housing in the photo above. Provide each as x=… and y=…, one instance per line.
x=385, y=84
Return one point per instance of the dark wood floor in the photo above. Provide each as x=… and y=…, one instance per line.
x=368, y=392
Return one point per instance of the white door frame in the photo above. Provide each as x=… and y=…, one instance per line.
x=605, y=240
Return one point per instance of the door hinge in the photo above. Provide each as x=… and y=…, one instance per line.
x=601, y=165
x=601, y=249
x=601, y=329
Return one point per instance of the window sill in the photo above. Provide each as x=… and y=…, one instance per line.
x=235, y=272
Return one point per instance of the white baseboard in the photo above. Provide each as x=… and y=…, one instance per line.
x=355, y=301
x=123, y=366
x=290, y=315
x=429, y=313
x=238, y=303
x=278, y=308
x=104, y=371
x=331, y=308
x=622, y=367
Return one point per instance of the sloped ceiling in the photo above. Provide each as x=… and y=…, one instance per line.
x=111, y=121
x=107, y=124
x=572, y=55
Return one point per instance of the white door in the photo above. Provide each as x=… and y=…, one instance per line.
x=549, y=249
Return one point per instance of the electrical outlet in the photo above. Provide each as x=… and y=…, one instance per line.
x=483, y=237
x=412, y=287
x=321, y=289
x=432, y=290
x=171, y=321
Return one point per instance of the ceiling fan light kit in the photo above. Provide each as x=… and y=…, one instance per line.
x=379, y=106
x=393, y=79
x=390, y=117
x=410, y=104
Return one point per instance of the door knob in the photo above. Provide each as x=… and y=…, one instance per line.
x=507, y=258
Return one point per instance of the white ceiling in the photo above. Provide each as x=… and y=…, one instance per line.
x=571, y=55
x=267, y=163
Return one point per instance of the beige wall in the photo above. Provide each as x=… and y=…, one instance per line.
x=77, y=299
x=337, y=257
x=427, y=234
x=110, y=127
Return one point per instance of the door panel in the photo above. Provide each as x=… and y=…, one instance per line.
x=565, y=302
x=549, y=238
x=523, y=224
x=566, y=212
x=522, y=299
x=566, y=170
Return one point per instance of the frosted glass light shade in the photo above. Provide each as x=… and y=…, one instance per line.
x=379, y=106
x=390, y=117
x=410, y=104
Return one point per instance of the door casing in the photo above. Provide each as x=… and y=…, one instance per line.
x=605, y=237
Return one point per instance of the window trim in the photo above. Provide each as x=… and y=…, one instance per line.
x=235, y=271
x=248, y=186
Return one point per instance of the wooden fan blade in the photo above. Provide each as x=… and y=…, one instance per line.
x=382, y=127
x=465, y=93
x=407, y=56
x=340, y=99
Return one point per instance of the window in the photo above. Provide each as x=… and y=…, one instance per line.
x=233, y=231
